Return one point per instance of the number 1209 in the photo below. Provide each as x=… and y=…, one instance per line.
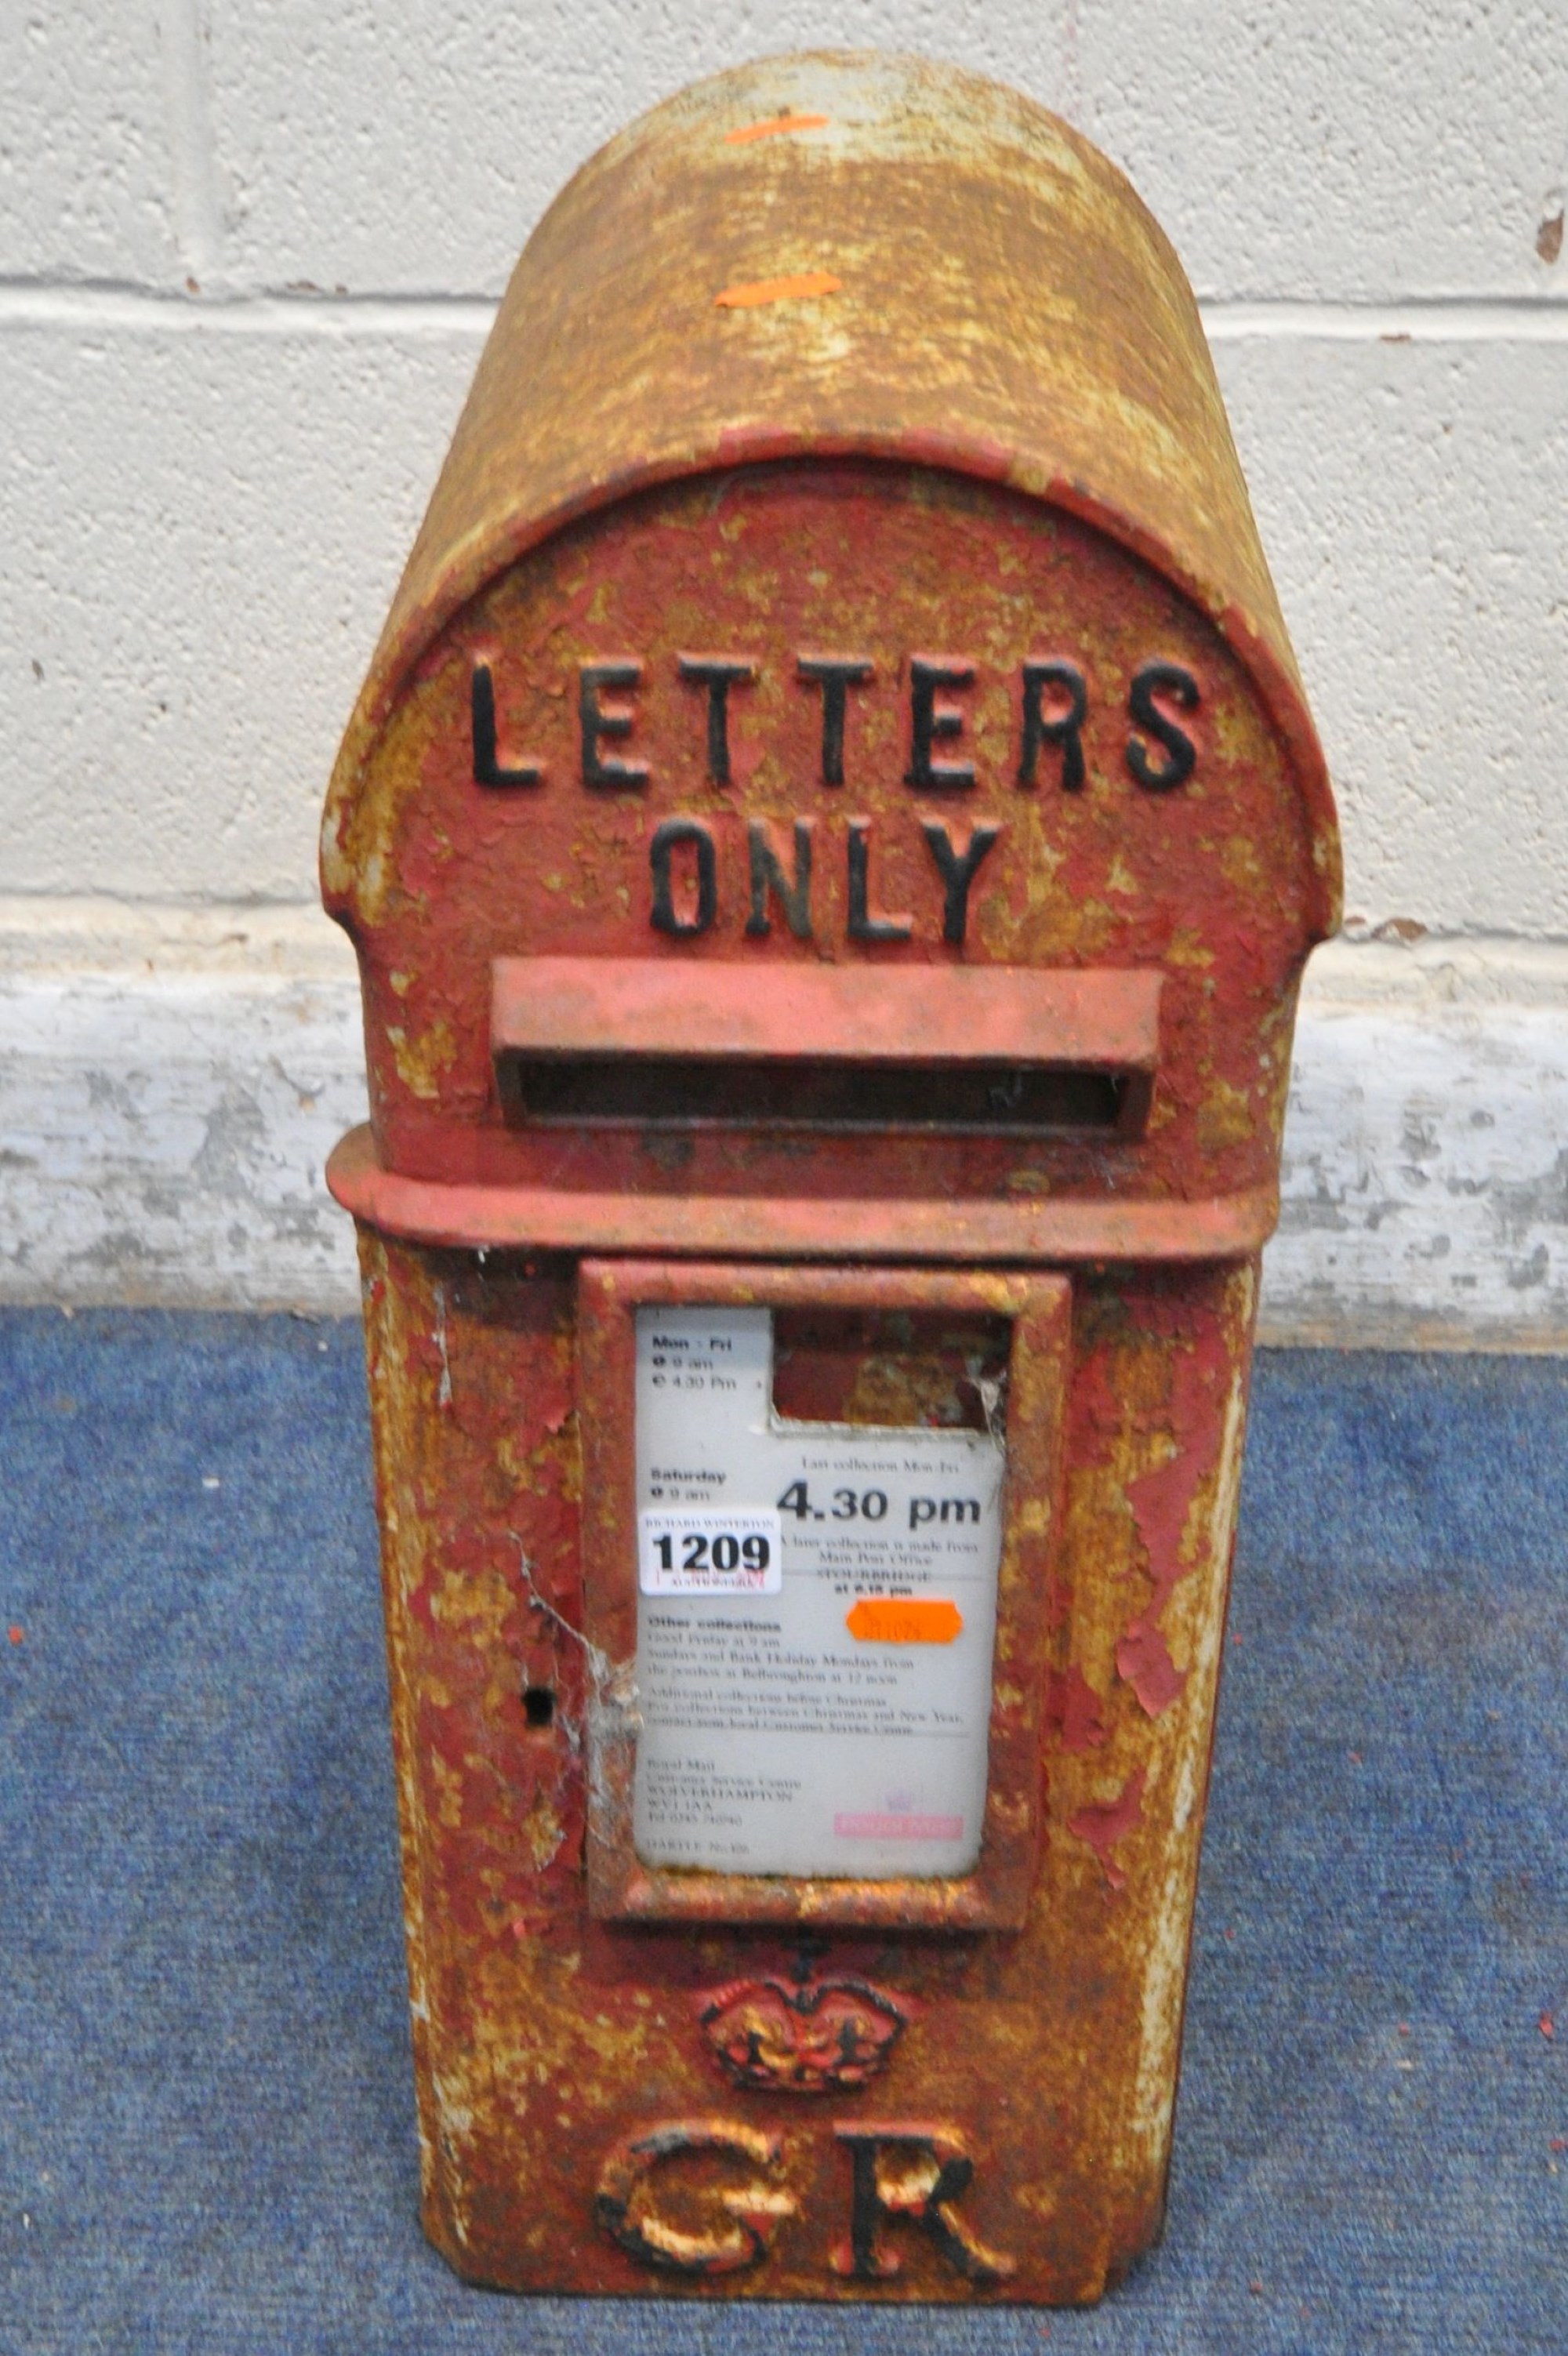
x=709, y=1553
x=724, y=1551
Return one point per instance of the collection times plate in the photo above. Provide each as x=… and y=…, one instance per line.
x=816, y=1615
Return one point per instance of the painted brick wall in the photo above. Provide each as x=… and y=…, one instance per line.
x=247, y=258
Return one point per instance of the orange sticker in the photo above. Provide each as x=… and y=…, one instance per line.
x=757, y=291
x=773, y=126
x=905, y=1620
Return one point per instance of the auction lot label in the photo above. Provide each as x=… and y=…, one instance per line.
x=816, y=1613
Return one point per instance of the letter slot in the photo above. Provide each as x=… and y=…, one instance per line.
x=606, y=1040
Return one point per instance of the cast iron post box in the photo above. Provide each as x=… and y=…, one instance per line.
x=831, y=833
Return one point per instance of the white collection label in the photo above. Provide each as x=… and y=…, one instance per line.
x=816, y=1617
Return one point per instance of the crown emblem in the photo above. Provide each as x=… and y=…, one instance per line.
x=824, y=2036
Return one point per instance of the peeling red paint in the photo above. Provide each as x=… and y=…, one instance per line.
x=1099, y=1410
x=1074, y=1708
x=1162, y=1498
x=1143, y=1661
x=1106, y=1822
x=1162, y=1501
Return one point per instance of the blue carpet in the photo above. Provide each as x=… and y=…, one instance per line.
x=206, y=2120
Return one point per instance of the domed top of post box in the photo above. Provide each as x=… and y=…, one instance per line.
x=832, y=255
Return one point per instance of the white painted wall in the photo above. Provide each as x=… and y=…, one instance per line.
x=247, y=258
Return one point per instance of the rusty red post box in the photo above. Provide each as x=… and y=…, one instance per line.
x=832, y=834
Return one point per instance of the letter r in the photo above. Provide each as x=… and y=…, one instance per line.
x=924, y=2191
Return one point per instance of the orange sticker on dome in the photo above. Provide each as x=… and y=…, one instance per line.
x=905, y=1620
x=772, y=125
x=758, y=291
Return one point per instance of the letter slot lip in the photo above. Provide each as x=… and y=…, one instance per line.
x=974, y=1050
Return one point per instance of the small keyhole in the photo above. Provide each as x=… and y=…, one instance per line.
x=538, y=1705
